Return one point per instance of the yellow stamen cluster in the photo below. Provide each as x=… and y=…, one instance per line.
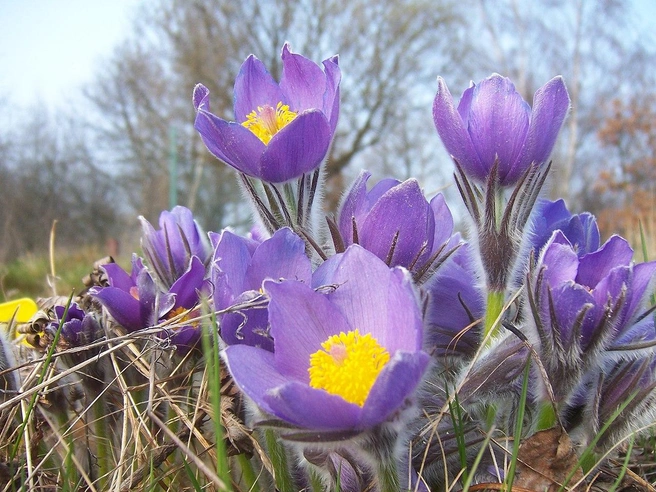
x=177, y=312
x=348, y=365
x=265, y=122
x=182, y=315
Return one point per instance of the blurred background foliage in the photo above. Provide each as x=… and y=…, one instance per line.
x=98, y=163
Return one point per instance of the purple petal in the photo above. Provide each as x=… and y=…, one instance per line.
x=234, y=144
x=374, y=298
x=302, y=82
x=464, y=105
x=456, y=294
x=570, y=299
x=189, y=286
x=118, y=277
x=331, y=96
x=201, y=97
x=254, y=372
x=301, y=320
x=254, y=87
x=185, y=338
x=188, y=239
x=644, y=276
x=281, y=256
x=612, y=285
x=403, y=210
x=580, y=230
x=587, y=237
x=550, y=106
x=595, y=266
x=298, y=148
x=498, y=123
x=453, y=132
x=395, y=383
x=124, y=308
x=312, y=408
x=231, y=260
x=248, y=326
x=380, y=189
x=560, y=259
x=353, y=205
x=443, y=220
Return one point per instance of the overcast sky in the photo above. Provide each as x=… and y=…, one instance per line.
x=50, y=48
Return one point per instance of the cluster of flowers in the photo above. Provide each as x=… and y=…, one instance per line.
x=353, y=333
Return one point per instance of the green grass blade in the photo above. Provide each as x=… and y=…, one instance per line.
x=510, y=476
x=192, y=477
x=458, y=429
x=210, y=340
x=625, y=466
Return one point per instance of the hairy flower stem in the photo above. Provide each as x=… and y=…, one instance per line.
x=388, y=478
x=495, y=301
x=248, y=473
x=547, y=417
x=380, y=445
x=278, y=455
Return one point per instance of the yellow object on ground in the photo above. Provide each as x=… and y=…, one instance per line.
x=21, y=310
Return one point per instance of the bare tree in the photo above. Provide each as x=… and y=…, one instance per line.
x=589, y=42
x=48, y=173
x=389, y=51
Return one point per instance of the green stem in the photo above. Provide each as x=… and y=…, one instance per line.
x=248, y=474
x=99, y=412
x=278, y=456
x=388, y=478
x=495, y=300
x=546, y=416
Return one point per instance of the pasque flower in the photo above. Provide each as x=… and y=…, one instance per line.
x=581, y=230
x=347, y=354
x=582, y=306
x=394, y=221
x=133, y=300
x=282, y=130
x=456, y=306
x=240, y=267
x=136, y=302
x=170, y=248
x=77, y=327
x=493, y=123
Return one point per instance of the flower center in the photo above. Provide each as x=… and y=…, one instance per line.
x=265, y=122
x=348, y=365
x=177, y=312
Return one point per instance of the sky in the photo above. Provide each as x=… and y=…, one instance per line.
x=51, y=48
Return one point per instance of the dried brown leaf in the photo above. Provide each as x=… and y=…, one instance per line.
x=545, y=461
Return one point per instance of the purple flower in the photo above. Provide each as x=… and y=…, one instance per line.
x=631, y=383
x=240, y=267
x=456, y=306
x=282, y=130
x=347, y=353
x=133, y=300
x=169, y=249
x=187, y=292
x=582, y=306
x=77, y=328
x=493, y=122
x=394, y=221
x=581, y=230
